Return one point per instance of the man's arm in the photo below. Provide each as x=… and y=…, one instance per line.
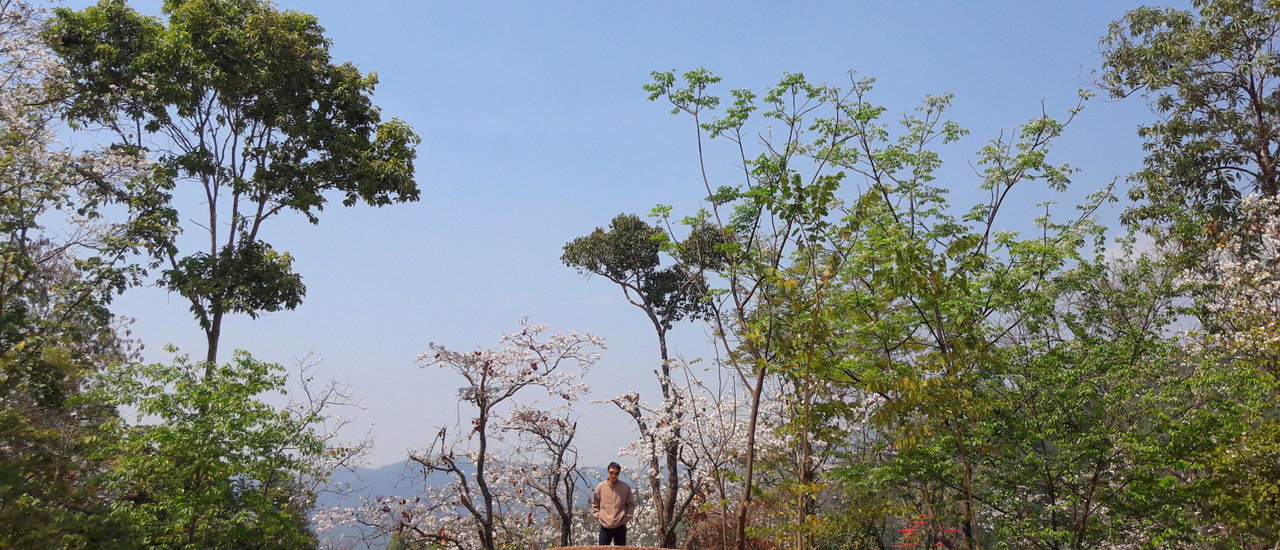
x=595, y=503
x=631, y=505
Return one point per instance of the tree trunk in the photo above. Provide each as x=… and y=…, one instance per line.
x=741, y=543
x=806, y=499
x=667, y=506
x=486, y=523
x=212, y=334
x=972, y=538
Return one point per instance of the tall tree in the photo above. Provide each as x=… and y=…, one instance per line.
x=241, y=100
x=1212, y=73
x=1209, y=185
x=753, y=227
x=629, y=254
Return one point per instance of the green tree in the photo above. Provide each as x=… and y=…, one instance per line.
x=1104, y=420
x=56, y=332
x=937, y=295
x=212, y=466
x=752, y=228
x=780, y=238
x=241, y=100
x=1211, y=73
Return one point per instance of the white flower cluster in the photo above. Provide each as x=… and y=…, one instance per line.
x=518, y=493
x=424, y=516
x=496, y=374
x=39, y=174
x=1241, y=287
x=709, y=426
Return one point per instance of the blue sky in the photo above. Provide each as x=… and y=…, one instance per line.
x=535, y=131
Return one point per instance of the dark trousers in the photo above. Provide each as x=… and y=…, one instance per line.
x=617, y=536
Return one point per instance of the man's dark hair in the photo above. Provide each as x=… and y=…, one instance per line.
x=614, y=466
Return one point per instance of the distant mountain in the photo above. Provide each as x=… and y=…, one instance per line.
x=399, y=478
x=402, y=478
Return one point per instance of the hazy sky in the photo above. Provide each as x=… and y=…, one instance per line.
x=535, y=131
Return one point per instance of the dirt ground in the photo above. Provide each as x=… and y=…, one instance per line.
x=598, y=547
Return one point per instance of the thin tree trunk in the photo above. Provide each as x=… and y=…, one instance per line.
x=667, y=502
x=213, y=334
x=972, y=538
x=566, y=529
x=669, y=505
x=803, y=504
x=741, y=543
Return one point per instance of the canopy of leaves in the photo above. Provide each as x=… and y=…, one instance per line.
x=243, y=100
x=630, y=253
x=214, y=466
x=244, y=70
x=1211, y=73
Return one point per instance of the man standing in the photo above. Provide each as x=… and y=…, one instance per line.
x=613, y=507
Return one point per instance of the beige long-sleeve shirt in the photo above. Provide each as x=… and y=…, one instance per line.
x=613, y=505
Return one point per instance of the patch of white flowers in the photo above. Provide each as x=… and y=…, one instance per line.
x=1241, y=287
x=40, y=177
x=515, y=476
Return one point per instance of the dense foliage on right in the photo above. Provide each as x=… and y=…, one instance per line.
x=891, y=370
x=911, y=373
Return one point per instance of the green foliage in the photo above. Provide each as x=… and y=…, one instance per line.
x=48, y=496
x=968, y=385
x=1242, y=488
x=55, y=285
x=209, y=465
x=930, y=305
x=1211, y=74
x=1105, y=419
x=243, y=100
x=251, y=278
x=629, y=254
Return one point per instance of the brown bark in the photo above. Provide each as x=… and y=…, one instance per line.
x=751, y=458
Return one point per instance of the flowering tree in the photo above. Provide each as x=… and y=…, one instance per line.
x=61, y=264
x=659, y=429
x=1239, y=294
x=711, y=426
x=474, y=509
x=548, y=465
x=1242, y=281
